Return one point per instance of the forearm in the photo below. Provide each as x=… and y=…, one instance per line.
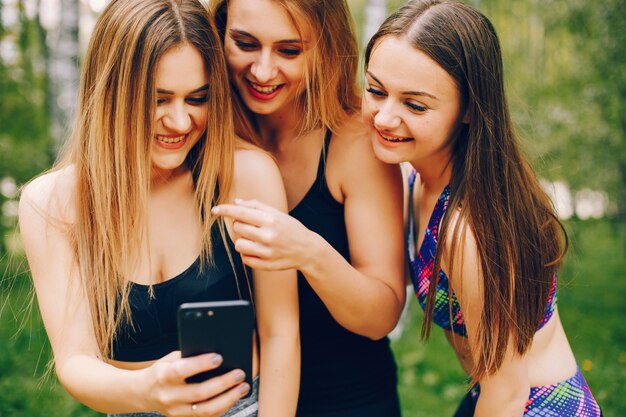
x=361, y=303
x=279, y=376
x=103, y=387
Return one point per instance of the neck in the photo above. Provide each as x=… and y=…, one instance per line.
x=435, y=172
x=162, y=177
x=276, y=130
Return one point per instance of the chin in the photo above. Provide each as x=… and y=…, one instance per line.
x=169, y=164
x=264, y=108
x=387, y=155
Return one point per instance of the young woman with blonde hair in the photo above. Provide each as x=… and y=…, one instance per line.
x=119, y=233
x=293, y=66
x=484, y=241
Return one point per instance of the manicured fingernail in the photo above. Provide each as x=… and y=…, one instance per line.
x=238, y=200
x=215, y=210
x=239, y=376
x=244, y=389
x=216, y=359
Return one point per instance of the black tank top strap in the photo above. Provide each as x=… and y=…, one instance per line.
x=321, y=166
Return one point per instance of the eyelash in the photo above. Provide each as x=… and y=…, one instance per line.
x=286, y=52
x=244, y=46
x=290, y=53
x=416, y=107
x=194, y=101
x=198, y=100
x=412, y=106
x=375, y=92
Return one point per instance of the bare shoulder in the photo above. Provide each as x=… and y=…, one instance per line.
x=51, y=196
x=351, y=145
x=352, y=161
x=251, y=160
x=352, y=135
x=257, y=177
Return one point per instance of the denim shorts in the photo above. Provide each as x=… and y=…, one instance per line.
x=247, y=407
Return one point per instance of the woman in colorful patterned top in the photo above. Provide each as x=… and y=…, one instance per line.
x=484, y=241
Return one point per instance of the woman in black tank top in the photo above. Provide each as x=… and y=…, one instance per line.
x=293, y=69
x=119, y=233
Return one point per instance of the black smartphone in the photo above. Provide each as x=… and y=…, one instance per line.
x=224, y=327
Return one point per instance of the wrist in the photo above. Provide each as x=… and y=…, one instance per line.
x=143, y=388
x=315, y=250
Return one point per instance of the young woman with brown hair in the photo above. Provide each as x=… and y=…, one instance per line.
x=119, y=233
x=293, y=66
x=484, y=241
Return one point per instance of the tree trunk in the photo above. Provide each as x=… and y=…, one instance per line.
x=63, y=70
x=1, y=22
x=375, y=13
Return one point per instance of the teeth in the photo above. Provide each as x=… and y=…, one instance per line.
x=393, y=139
x=170, y=140
x=264, y=90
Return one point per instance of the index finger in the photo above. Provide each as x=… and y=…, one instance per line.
x=240, y=214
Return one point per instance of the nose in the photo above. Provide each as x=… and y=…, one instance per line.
x=177, y=119
x=386, y=118
x=263, y=68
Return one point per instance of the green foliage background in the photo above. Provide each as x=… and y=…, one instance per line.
x=566, y=83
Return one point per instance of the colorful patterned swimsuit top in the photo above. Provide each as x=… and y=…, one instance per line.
x=422, y=263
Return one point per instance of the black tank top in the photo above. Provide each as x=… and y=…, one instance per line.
x=154, y=331
x=340, y=369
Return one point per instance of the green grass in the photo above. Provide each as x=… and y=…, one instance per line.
x=592, y=290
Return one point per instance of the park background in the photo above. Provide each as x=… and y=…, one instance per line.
x=566, y=85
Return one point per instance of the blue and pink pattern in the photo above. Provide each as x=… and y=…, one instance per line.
x=447, y=313
x=568, y=398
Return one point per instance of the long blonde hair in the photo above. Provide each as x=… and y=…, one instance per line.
x=332, y=91
x=111, y=141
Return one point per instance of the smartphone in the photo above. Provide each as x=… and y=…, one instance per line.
x=224, y=327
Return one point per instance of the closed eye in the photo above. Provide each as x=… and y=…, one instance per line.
x=416, y=107
x=375, y=92
x=290, y=52
x=197, y=100
x=245, y=46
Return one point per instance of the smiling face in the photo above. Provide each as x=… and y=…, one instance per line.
x=411, y=104
x=266, y=55
x=181, y=109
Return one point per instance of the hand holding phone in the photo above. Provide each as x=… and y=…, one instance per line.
x=224, y=327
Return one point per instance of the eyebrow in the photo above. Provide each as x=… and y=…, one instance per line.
x=411, y=93
x=197, y=90
x=249, y=35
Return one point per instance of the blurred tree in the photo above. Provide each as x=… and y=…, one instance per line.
x=24, y=138
x=564, y=62
x=24, y=120
x=63, y=69
x=375, y=13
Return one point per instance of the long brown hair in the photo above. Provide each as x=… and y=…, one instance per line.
x=109, y=148
x=493, y=188
x=331, y=91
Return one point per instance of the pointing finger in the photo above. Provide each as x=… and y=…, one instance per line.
x=255, y=204
x=241, y=214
